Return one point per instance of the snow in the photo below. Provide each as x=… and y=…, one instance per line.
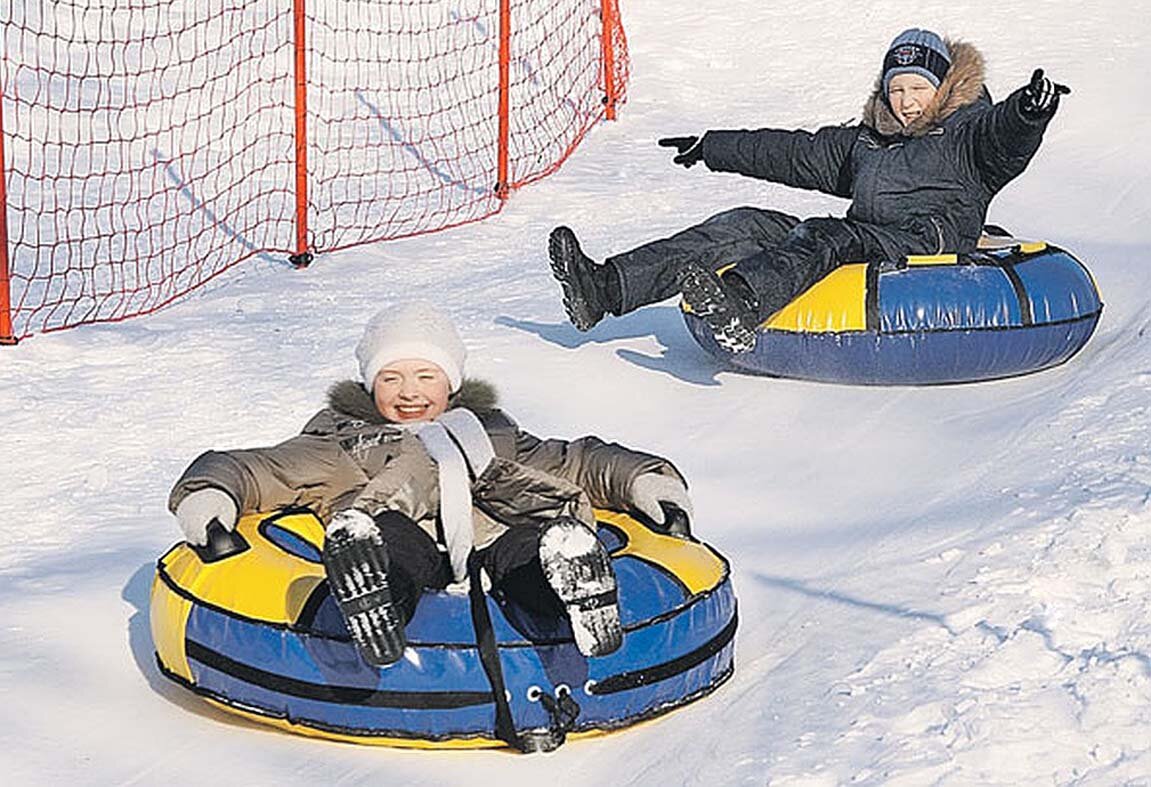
x=937, y=586
x=354, y=524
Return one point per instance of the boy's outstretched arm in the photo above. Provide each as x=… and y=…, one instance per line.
x=1006, y=138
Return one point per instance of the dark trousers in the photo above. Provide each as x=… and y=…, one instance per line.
x=777, y=255
x=511, y=561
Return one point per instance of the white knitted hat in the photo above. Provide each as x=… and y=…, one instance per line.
x=411, y=330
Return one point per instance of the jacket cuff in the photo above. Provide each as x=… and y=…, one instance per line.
x=215, y=469
x=715, y=145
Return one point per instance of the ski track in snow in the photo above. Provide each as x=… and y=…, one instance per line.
x=937, y=586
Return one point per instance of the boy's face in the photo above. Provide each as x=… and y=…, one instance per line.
x=908, y=95
x=411, y=390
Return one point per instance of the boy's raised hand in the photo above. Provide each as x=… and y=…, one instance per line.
x=690, y=149
x=1041, y=96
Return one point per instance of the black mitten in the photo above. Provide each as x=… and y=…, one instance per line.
x=1041, y=96
x=690, y=149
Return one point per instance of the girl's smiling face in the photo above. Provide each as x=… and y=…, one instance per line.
x=411, y=390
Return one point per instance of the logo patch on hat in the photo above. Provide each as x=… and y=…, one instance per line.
x=907, y=54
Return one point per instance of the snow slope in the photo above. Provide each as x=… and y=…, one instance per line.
x=937, y=586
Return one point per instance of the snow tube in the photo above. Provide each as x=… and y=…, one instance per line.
x=999, y=312
x=258, y=634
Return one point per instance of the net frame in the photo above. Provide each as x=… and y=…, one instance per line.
x=149, y=146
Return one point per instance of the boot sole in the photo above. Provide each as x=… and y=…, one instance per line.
x=706, y=298
x=579, y=569
x=357, y=571
x=564, y=250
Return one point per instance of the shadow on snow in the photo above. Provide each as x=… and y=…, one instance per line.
x=680, y=358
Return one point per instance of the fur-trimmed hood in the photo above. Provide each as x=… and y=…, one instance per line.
x=962, y=86
x=350, y=398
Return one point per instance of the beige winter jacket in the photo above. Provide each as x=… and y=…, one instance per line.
x=349, y=456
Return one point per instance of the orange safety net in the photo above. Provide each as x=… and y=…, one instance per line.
x=150, y=145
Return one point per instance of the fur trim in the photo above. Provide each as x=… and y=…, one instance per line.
x=479, y=396
x=962, y=86
x=350, y=398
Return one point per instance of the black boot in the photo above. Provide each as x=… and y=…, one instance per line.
x=583, y=282
x=357, y=566
x=726, y=305
x=579, y=570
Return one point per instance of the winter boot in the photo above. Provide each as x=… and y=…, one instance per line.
x=727, y=307
x=356, y=560
x=579, y=570
x=577, y=275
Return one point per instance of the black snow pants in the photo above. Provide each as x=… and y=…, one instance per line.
x=511, y=561
x=777, y=255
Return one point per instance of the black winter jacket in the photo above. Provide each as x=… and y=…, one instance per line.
x=931, y=181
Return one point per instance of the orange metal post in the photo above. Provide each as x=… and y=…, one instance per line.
x=504, y=105
x=6, y=336
x=302, y=257
x=607, y=43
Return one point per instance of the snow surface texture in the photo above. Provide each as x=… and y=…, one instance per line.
x=937, y=586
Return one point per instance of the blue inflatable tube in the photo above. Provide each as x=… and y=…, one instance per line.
x=929, y=320
x=258, y=634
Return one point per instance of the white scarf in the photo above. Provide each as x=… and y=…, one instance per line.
x=457, y=443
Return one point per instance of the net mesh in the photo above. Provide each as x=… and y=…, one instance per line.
x=151, y=144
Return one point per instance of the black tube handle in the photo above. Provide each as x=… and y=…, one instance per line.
x=676, y=520
x=222, y=543
x=675, y=523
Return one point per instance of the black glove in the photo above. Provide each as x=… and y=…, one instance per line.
x=1041, y=97
x=690, y=149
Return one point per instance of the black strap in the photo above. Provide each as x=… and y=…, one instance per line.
x=489, y=654
x=344, y=695
x=1025, y=314
x=627, y=681
x=871, y=298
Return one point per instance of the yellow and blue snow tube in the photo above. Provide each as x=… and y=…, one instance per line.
x=927, y=320
x=258, y=634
